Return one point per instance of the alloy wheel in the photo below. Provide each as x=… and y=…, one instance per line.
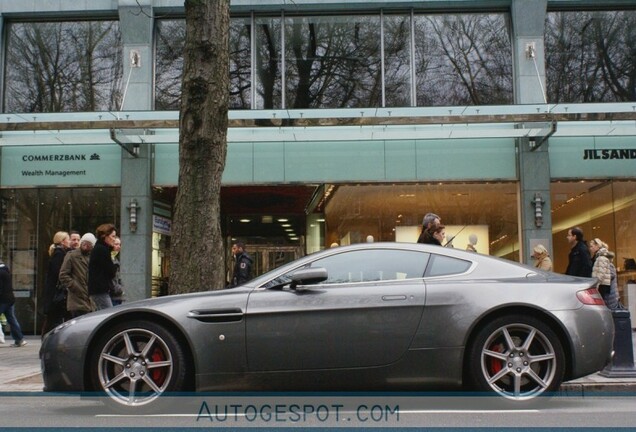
x=135, y=367
x=518, y=361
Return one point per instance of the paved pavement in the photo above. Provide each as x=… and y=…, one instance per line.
x=20, y=372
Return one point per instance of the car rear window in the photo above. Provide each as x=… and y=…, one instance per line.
x=441, y=265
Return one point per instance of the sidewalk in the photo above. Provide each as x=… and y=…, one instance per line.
x=20, y=367
x=20, y=372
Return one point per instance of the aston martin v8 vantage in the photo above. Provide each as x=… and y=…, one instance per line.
x=373, y=316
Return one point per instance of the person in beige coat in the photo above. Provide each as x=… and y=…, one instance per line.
x=74, y=275
x=602, y=268
x=542, y=257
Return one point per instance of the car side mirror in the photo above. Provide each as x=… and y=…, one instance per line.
x=307, y=276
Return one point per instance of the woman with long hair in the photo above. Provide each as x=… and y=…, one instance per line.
x=54, y=312
x=101, y=268
x=604, y=271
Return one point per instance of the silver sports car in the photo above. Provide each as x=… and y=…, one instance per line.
x=363, y=317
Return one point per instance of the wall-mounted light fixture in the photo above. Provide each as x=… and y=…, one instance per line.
x=135, y=58
x=538, y=202
x=133, y=208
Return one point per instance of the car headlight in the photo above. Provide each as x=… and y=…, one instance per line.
x=62, y=326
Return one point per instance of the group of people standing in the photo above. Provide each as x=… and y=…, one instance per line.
x=82, y=276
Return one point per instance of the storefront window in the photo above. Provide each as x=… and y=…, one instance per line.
x=602, y=209
x=483, y=215
x=29, y=219
x=63, y=66
x=463, y=59
x=589, y=56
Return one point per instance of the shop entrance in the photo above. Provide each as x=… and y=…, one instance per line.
x=269, y=257
x=272, y=221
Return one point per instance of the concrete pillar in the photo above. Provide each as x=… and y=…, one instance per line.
x=528, y=22
x=136, y=24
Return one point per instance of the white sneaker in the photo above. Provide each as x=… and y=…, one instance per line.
x=19, y=344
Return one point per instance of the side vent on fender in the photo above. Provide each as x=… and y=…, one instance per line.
x=217, y=315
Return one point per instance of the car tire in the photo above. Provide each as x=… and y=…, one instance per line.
x=517, y=357
x=135, y=363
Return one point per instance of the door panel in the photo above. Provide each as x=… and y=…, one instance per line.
x=332, y=327
x=366, y=314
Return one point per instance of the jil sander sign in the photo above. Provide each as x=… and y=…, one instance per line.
x=61, y=166
x=576, y=157
x=593, y=154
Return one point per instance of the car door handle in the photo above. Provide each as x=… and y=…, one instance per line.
x=217, y=315
x=393, y=297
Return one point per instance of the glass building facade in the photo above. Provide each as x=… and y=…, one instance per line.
x=353, y=122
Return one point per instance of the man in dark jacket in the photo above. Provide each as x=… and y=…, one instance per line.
x=7, y=305
x=579, y=260
x=242, y=265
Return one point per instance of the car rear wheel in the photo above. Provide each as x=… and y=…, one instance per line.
x=136, y=362
x=517, y=357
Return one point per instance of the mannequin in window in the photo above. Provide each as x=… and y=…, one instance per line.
x=472, y=241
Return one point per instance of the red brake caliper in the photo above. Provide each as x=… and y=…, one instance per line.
x=158, y=374
x=496, y=365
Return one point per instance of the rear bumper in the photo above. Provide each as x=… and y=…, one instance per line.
x=591, y=332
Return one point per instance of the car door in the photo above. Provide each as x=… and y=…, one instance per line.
x=365, y=314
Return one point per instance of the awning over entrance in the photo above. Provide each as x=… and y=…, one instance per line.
x=133, y=128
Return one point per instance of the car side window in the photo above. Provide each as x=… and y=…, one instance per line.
x=373, y=265
x=441, y=265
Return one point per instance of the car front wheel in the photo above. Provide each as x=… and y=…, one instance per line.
x=136, y=362
x=517, y=357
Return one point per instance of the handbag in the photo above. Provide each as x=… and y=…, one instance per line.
x=116, y=290
x=59, y=298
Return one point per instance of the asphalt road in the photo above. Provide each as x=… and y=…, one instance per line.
x=327, y=411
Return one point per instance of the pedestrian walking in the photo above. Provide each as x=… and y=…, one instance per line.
x=242, y=265
x=7, y=306
x=605, y=272
x=542, y=258
x=579, y=259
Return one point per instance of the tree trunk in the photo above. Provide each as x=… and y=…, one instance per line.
x=197, y=258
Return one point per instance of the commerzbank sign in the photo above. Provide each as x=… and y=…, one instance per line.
x=61, y=166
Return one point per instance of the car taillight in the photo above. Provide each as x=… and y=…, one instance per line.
x=590, y=296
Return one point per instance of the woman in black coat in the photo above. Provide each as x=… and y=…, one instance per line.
x=54, y=312
x=101, y=268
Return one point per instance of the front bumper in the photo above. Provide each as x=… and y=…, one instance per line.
x=62, y=358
